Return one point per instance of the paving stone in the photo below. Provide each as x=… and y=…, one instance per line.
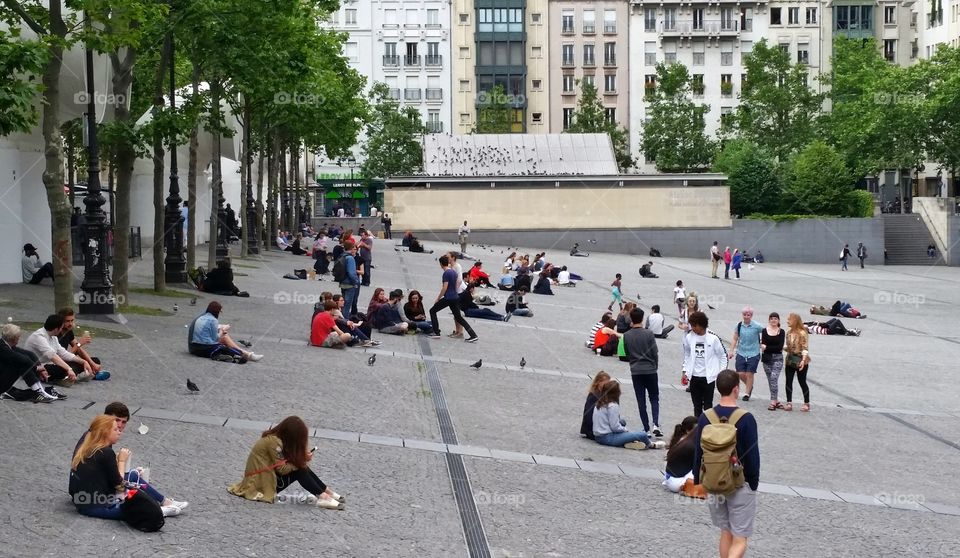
x=381, y=440
x=642, y=473
x=862, y=499
x=555, y=461
x=74, y=403
x=294, y=342
x=468, y=450
x=203, y=419
x=511, y=456
x=245, y=424
x=816, y=493
x=435, y=358
x=942, y=508
x=599, y=467
x=424, y=445
x=545, y=372
x=773, y=488
x=159, y=414
x=337, y=435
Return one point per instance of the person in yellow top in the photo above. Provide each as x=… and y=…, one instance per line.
x=279, y=458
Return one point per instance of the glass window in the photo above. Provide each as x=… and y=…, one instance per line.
x=842, y=18
x=568, y=83
x=485, y=20
x=649, y=19
x=411, y=18
x=889, y=14
x=803, y=53
x=775, y=17
x=588, y=56
x=433, y=18
x=609, y=21
x=350, y=16
x=566, y=18
x=610, y=54
x=589, y=21
x=591, y=79
x=567, y=55
x=811, y=16
x=567, y=118
x=793, y=16
x=516, y=54
x=670, y=19
x=610, y=83
x=611, y=114
x=536, y=84
x=698, y=19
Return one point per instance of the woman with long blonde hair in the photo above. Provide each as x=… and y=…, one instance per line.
x=691, y=305
x=797, y=361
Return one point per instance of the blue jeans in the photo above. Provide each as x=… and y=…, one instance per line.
x=149, y=490
x=483, y=314
x=102, y=511
x=643, y=383
x=618, y=439
x=522, y=312
x=425, y=327
x=349, y=299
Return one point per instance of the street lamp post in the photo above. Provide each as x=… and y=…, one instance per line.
x=97, y=288
x=174, y=263
x=223, y=233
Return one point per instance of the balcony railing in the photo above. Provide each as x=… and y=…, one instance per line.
x=589, y=61
x=411, y=94
x=610, y=29
x=434, y=94
x=411, y=60
x=712, y=27
x=394, y=94
x=567, y=28
x=433, y=60
x=567, y=61
x=391, y=60
x=434, y=127
x=609, y=60
x=589, y=29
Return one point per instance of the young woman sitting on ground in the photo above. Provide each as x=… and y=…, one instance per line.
x=414, y=310
x=609, y=428
x=593, y=395
x=543, y=282
x=278, y=459
x=679, y=467
x=607, y=338
x=623, y=318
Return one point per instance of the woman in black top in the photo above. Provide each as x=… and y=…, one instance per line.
x=680, y=455
x=95, y=476
x=771, y=345
x=414, y=310
x=543, y=283
x=471, y=310
x=586, y=425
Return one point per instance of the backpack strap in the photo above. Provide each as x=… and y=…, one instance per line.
x=736, y=415
x=712, y=416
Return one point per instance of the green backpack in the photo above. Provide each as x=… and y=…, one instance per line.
x=721, y=471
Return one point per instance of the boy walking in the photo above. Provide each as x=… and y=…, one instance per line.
x=733, y=512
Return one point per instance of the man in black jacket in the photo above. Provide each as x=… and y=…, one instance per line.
x=16, y=363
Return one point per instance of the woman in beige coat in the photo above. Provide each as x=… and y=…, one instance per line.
x=279, y=458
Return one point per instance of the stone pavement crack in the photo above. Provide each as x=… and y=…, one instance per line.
x=473, y=532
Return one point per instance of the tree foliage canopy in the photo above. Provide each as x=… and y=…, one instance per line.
x=675, y=137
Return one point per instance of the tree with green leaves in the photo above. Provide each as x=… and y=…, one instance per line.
x=393, y=143
x=591, y=118
x=494, y=112
x=818, y=182
x=753, y=177
x=777, y=109
x=675, y=137
x=21, y=62
x=944, y=146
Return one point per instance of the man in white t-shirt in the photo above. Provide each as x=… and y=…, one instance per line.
x=655, y=323
x=563, y=278
x=454, y=264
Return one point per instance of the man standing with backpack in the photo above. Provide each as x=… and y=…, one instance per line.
x=727, y=462
x=345, y=273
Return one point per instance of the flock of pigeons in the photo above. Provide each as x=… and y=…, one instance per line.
x=492, y=160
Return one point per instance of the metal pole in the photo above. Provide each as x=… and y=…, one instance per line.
x=174, y=263
x=97, y=289
x=253, y=243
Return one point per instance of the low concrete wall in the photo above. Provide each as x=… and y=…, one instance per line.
x=802, y=241
x=944, y=225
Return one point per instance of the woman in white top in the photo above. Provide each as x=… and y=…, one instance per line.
x=680, y=296
x=691, y=305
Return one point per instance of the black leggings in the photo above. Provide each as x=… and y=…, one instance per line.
x=454, y=306
x=802, y=377
x=307, y=479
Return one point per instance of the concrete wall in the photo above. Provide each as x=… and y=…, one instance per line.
x=939, y=216
x=803, y=241
x=575, y=207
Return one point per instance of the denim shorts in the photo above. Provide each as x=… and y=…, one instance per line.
x=747, y=364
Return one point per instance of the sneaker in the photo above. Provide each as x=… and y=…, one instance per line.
x=223, y=358
x=746, y=397
x=635, y=445
x=455, y=335
x=178, y=504
x=656, y=431
x=84, y=376
x=473, y=339
x=102, y=375
x=434, y=336
x=43, y=397
x=52, y=391
x=6, y=397
x=254, y=357
x=507, y=317
x=367, y=343
x=659, y=444
x=329, y=504
x=170, y=511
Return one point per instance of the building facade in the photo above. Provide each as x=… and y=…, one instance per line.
x=501, y=42
x=589, y=42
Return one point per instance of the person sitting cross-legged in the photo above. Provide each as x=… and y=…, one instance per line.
x=324, y=331
x=479, y=276
x=610, y=429
x=208, y=338
x=17, y=363
x=416, y=313
x=389, y=321
x=69, y=341
x=646, y=272
x=219, y=281
x=655, y=323
x=516, y=306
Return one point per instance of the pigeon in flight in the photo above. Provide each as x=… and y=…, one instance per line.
x=523, y=362
x=371, y=360
x=192, y=386
x=710, y=307
x=477, y=365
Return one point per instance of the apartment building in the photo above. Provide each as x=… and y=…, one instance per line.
x=709, y=37
x=589, y=42
x=936, y=24
x=501, y=42
x=802, y=29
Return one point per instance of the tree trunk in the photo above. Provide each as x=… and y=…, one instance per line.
x=192, y=182
x=124, y=161
x=216, y=175
x=284, y=191
x=271, y=189
x=244, y=179
x=60, y=246
x=264, y=242
x=159, y=204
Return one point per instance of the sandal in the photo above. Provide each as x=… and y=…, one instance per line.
x=788, y=407
x=772, y=406
x=779, y=405
x=805, y=408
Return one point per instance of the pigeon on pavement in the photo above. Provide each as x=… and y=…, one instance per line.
x=192, y=386
x=477, y=365
x=523, y=362
x=371, y=360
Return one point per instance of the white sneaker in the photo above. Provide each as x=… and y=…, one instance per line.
x=254, y=357
x=659, y=444
x=635, y=445
x=657, y=432
x=170, y=511
x=178, y=504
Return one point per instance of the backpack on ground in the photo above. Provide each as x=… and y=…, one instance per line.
x=721, y=471
x=142, y=512
x=340, y=269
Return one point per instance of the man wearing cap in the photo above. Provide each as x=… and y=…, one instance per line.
x=33, y=270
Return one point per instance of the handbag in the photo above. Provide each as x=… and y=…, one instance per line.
x=794, y=360
x=141, y=512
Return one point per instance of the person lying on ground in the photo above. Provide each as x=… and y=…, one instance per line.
x=833, y=326
x=471, y=310
x=645, y=271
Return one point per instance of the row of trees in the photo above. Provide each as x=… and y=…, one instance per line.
x=275, y=69
x=789, y=149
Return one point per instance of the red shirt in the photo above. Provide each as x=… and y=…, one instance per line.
x=477, y=273
x=600, y=339
x=322, y=325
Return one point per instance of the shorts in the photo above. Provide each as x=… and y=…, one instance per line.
x=333, y=341
x=747, y=364
x=734, y=512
